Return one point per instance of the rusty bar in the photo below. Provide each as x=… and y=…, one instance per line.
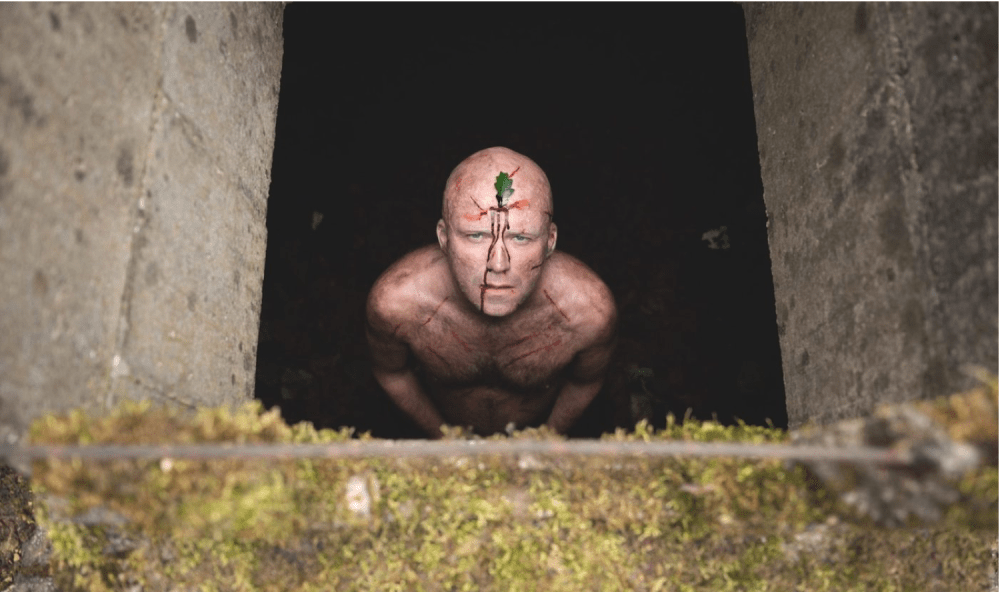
x=438, y=449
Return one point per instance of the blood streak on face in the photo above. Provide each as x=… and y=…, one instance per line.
x=512, y=234
x=513, y=260
x=499, y=224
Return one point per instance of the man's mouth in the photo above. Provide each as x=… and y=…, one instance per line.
x=492, y=287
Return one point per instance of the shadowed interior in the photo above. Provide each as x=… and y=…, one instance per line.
x=645, y=129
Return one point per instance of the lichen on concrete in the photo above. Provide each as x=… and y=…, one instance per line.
x=482, y=522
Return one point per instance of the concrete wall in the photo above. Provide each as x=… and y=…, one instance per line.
x=135, y=156
x=877, y=130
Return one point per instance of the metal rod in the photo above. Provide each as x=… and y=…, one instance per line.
x=438, y=449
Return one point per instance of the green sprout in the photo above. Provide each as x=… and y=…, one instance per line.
x=503, y=186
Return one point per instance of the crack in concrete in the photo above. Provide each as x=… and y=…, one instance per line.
x=139, y=219
x=914, y=195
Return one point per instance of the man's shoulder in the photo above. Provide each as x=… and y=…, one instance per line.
x=408, y=284
x=579, y=291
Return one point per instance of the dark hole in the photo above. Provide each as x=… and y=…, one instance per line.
x=645, y=127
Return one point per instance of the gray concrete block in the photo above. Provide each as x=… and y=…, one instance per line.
x=877, y=132
x=135, y=148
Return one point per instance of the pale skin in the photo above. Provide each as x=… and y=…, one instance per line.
x=491, y=325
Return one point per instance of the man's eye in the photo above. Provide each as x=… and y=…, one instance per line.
x=476, y=235
x=521, y=238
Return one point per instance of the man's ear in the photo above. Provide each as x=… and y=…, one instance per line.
x=442, y=232
x=553, y=234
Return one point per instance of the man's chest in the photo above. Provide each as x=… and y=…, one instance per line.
x=526, y=355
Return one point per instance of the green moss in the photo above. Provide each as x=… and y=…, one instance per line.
x=482, y=522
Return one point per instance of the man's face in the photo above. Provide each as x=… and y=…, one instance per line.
x=496, y=250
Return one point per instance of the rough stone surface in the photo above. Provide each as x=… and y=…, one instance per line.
x=135, y=151
x=877, y=132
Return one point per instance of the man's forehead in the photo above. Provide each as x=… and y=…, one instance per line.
x=467, y=200
x=472, y=185
x=523, y=215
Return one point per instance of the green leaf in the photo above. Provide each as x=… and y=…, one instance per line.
x=503, y=187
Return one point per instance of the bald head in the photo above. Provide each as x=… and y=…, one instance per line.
x=496, y=229
x=472, y=182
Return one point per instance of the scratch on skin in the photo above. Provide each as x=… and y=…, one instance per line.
x=459, y=339
x=519, y=341
x=435, y=312
x=548, y=347
x=475, y=217
x=396, y=329
x=531, y=336
x=439, y=356
x=534, y=267
x=515, y=172
x=556, y=306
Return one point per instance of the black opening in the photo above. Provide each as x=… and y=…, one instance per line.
x=642, y=117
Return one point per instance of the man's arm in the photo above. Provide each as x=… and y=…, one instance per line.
x=587, y=374
x=404, y=389
x=390, y=365
x=573, y=399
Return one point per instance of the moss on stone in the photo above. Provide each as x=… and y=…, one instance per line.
x=475, y=523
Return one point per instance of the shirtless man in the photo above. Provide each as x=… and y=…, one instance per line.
x=492, y=325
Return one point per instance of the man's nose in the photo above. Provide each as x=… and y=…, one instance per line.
x=498, y=260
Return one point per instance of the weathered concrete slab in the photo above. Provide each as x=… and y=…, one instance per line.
x=135, y=150
x=877, y=131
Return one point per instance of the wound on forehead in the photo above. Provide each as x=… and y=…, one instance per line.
x=467, y=179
